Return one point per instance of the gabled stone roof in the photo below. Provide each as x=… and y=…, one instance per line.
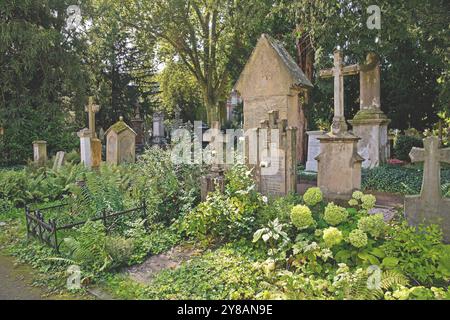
x=298, y=77
x=292, y=66
x=119, y=127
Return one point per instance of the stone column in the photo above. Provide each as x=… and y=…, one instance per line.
x=40, y=153
x=370, y=123
x=85, y=147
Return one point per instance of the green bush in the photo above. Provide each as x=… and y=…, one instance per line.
x=403, y=145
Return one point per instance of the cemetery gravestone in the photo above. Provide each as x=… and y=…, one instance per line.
x=313, y=149
x=158, y=128
x=85, y=147
x=120, y=143
x=59, y=160
x=370, y=123
x=138, y=126
x=339, y=164
x=272, y=80
x=271, y=151
x=430, y=207
x=40, y=153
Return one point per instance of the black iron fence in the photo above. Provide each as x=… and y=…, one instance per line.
x=46, y=231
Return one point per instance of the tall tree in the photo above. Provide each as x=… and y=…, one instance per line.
x=208, y=36
x=413, y=43
x=41, y=75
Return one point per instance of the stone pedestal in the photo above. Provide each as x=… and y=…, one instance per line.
x=313, y=149
x=339, y=165
x=372, y=127
x=85, y=147
x=40, y=153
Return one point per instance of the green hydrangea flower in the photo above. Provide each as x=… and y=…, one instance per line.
x=301, y=217
x=358, y=238
x=313, y=196
x=373, y=225
x=335, y=214
x=353, y=202
x=368, y=201
x=357, y=195
x=332, y=236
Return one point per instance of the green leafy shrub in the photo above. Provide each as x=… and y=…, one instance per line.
x=119, y=249
x=403, y=145
x=421, y=254
x=313, y=196
x=301, y=217
x=358, y=238
x=373, y=225
x=332, y=236
x=335, y=214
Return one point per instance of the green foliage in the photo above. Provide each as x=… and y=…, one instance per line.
x=421, y=254
x=332, y=236
x=373, y=225
x=171, y=191
x=229, y=215
x=227, y=273
x=403, y=145
x=301, y=217
x=313, y=196
x=395, y=179
x=42, y=78
x=335, y=214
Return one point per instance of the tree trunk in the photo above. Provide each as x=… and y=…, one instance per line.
x=212, y=109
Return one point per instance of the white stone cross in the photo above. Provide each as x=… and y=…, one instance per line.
x=338, y=72
x=92, y=109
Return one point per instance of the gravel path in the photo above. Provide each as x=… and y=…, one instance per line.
x=14, y=282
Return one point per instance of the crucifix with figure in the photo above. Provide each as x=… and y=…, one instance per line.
x=92, y=109
x=430, y=206
x=338, y=72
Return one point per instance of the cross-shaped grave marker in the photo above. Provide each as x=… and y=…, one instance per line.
x=338, y=72
x=430, y=206
x=92, y=109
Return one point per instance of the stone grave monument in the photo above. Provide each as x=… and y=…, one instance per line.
x=370, y=123
x=120, y=143
x=272, y=80
x=339, y=164
x=137, y=123
x=40, y=153
x=271, y=152
x=90, y=145
x=59, y=160
x=313, y=149
x=158, y=129
x=430, y=207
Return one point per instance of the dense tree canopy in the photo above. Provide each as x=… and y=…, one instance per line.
x=190, y=53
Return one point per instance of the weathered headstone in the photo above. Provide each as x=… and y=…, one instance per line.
x=120, y=143
x=59, y=160
x=271, y=152
x=313, y=149
x=214, y=179
x=339, y=164
x=272, y=80
x=370, y=123
x=40, y=153
x=158, y=129
x=85, y=147
x=137, y=123
x=430, y=207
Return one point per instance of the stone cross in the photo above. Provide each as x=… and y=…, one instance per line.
x=92, y=109
x=430, y=206
x=338, y=72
